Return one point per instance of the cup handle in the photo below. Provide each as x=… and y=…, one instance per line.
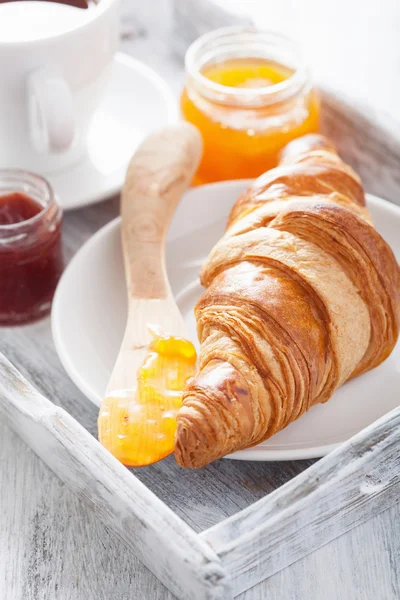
x=51, y=114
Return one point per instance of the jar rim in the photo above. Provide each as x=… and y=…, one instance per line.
x=20, y=176
x=240, y=35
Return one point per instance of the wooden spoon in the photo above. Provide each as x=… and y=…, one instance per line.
x=160, y=171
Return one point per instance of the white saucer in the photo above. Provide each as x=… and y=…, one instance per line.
x=89, y=314
x=136, y=102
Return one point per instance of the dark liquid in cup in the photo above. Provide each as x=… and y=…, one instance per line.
x=77, y=3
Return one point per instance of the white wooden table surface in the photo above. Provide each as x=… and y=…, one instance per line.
x=51, y=546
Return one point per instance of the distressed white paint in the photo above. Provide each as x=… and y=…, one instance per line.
x=347, y=487
x=53, y=547
x=350, y=485
x=160, y=539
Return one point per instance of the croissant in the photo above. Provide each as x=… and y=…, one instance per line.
x=302, y=294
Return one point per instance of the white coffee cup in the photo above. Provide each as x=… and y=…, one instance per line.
x=51, y=85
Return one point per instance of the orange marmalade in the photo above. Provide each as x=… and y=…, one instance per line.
x=138, y=425
x=249, y=95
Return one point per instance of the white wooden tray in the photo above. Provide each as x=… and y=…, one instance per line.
x=350, y=485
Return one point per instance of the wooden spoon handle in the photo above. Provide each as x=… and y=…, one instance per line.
x=160, y=171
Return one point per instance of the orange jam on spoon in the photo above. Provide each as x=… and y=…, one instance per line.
x=249, y=94
x=138, y=425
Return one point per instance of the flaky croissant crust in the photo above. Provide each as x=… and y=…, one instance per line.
x=302, y=294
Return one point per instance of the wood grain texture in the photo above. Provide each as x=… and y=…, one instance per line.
x=160, y=539
x=334, y=495
x=350, y=485
x=361, y=565
x=159, y=173
x=45, y=552
x=368, y=139
x=53, y=547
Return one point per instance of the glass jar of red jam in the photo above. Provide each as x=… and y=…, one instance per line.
x=31, y=259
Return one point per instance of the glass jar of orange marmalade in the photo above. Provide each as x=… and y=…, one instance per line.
x=249, y=94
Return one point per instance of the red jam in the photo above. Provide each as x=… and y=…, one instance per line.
x=17, y=207
x=30, y=257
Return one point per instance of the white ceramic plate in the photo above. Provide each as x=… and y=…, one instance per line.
x=136, y=102
x=89, y=314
